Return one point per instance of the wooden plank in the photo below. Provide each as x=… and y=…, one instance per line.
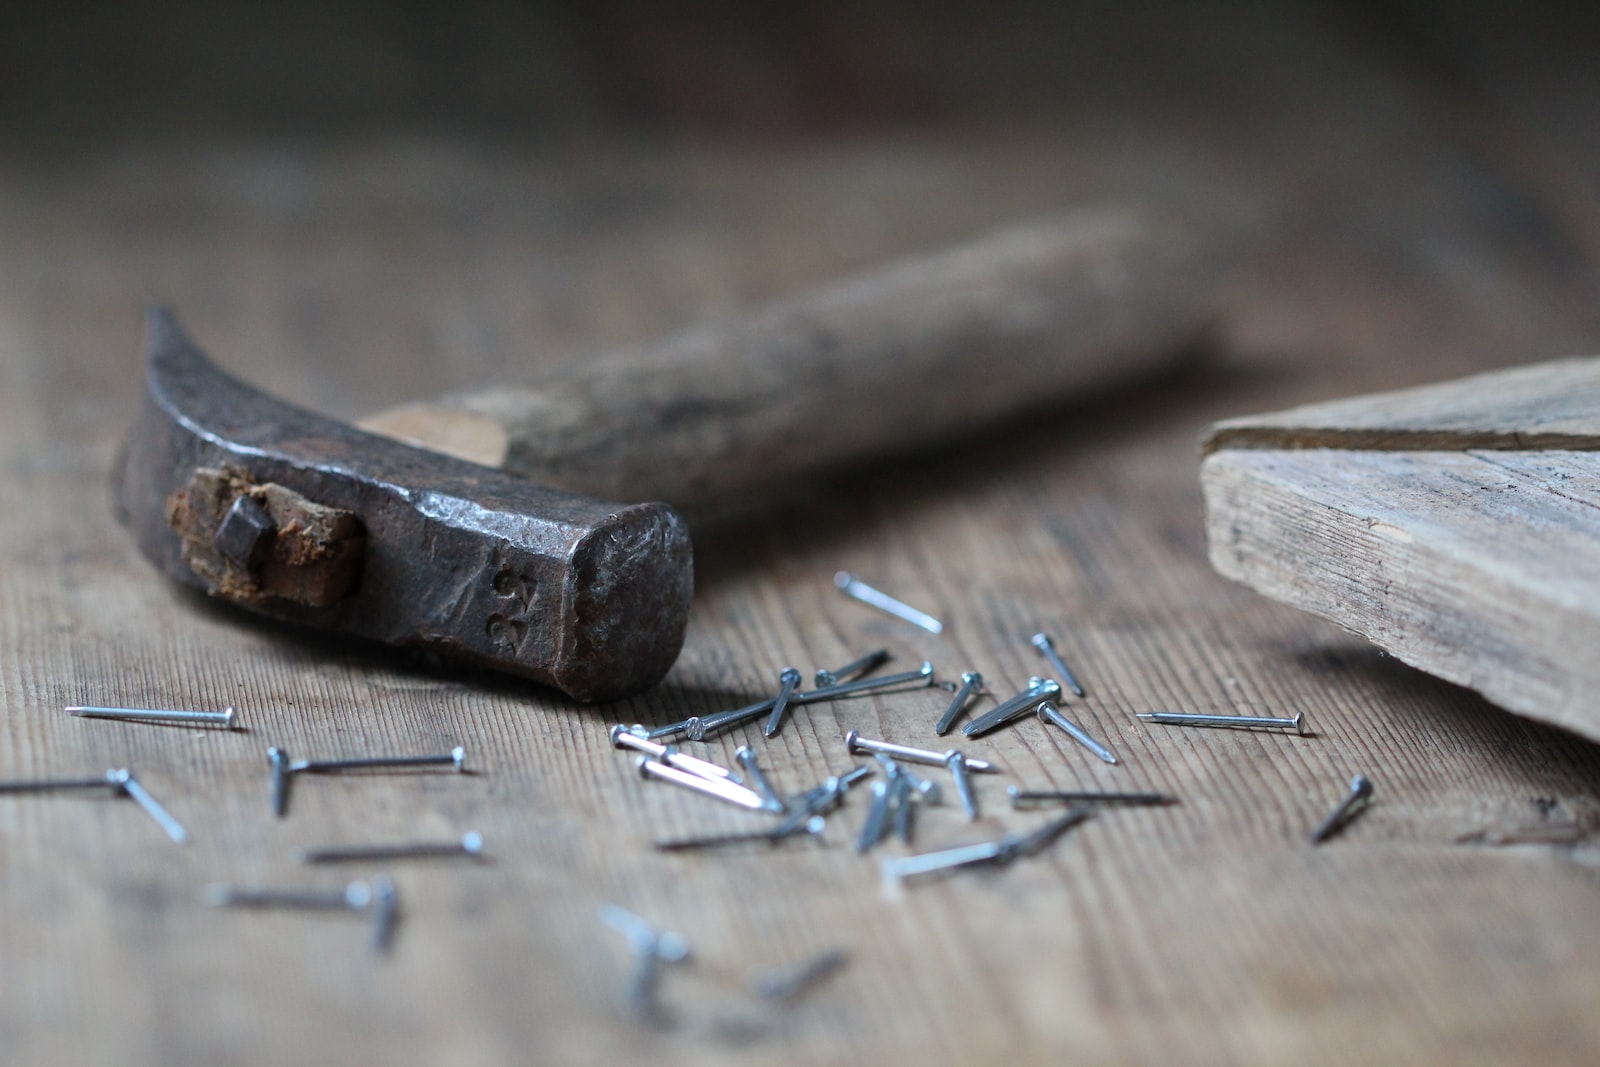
x=1549, y=405
x=1481, y=568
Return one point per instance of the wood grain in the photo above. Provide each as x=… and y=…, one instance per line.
x=1480, y=568
x=353, y=274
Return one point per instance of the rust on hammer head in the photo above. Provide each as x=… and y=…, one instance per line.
x=309, y=520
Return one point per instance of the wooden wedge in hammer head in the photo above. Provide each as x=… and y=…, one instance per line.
x=309, y=520
x=496, y=561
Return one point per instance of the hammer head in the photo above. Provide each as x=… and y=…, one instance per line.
x=308, y=520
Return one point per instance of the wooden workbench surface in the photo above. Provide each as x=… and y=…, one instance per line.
x=1407, y=229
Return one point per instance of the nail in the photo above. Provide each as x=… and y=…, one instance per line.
x=53, y=785
x=854, y=669
x=1043, y=643
x=821, y=799
x=1029, y=843
x=971, y=682
x=720, y=788
x=1243, y=722
x=700, y=727
x=923, y=675
x=622, y=738
x=470, y=844
x=789, y=983
x=904, y=809
x=851, y=586
x=877, y=823
x=1360, y=792
x=456, y=758
x=1041, y=796
x=124, y=781
x=1015, y=708
x=958, y=770
x=924, y=788
x=787, y=680
x=758, y=778
x=1050, y=713
x=385, y=913
x=220, y=718
x=812, y=825
x=279, y=759
x=356, y=896
x=854, y=742
x=650, y=949
x=901, y=867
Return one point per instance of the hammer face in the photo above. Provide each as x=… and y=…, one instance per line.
x=306, y=519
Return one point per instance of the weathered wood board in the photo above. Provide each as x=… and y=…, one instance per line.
x=1456, y=526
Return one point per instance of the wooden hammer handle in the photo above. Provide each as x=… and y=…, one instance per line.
x=884, y=361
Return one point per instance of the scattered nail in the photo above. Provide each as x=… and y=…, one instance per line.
x=958, y=770
x=852, y=670
x=1013, y=709
x=1349, y=807
x=1048, y=649
x=721, y=788
x=971, y=684
x=1240, y=722
x=1020, y=797
x=1048, y=711
x=788, y=983
x=851, y=586
x=787, y=680
x=470, y=844
x=222, y=718
x=758, y=778
x=854, y=742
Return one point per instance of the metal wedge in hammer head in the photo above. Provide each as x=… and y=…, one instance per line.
x=309, y=520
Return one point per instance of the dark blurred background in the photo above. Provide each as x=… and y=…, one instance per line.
x=76, y=74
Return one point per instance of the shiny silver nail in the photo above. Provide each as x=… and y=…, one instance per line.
x=788, y=678
x=1353, y=804
x=622, y=738
x=1020, y=797
x=124, y=781
x=851, y=586
x=790, y=982
x=1004, y=850
x=650, y=949
x=1015, y=708
x=758, y=778
x=470, y=844
x=385, y=913
x=357, y=896
x=811, y=826
x=923, y=675
x=53, y=785
x=1239, y=722
x=971, y=684
x=279, y=760
x=852, y=670
x=1048, y=649
x=720, y=788
x=877, y=823
x=456, y=758
x=958, y=770
x=222, y=718
x=854, y=742
x=1048, y=711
